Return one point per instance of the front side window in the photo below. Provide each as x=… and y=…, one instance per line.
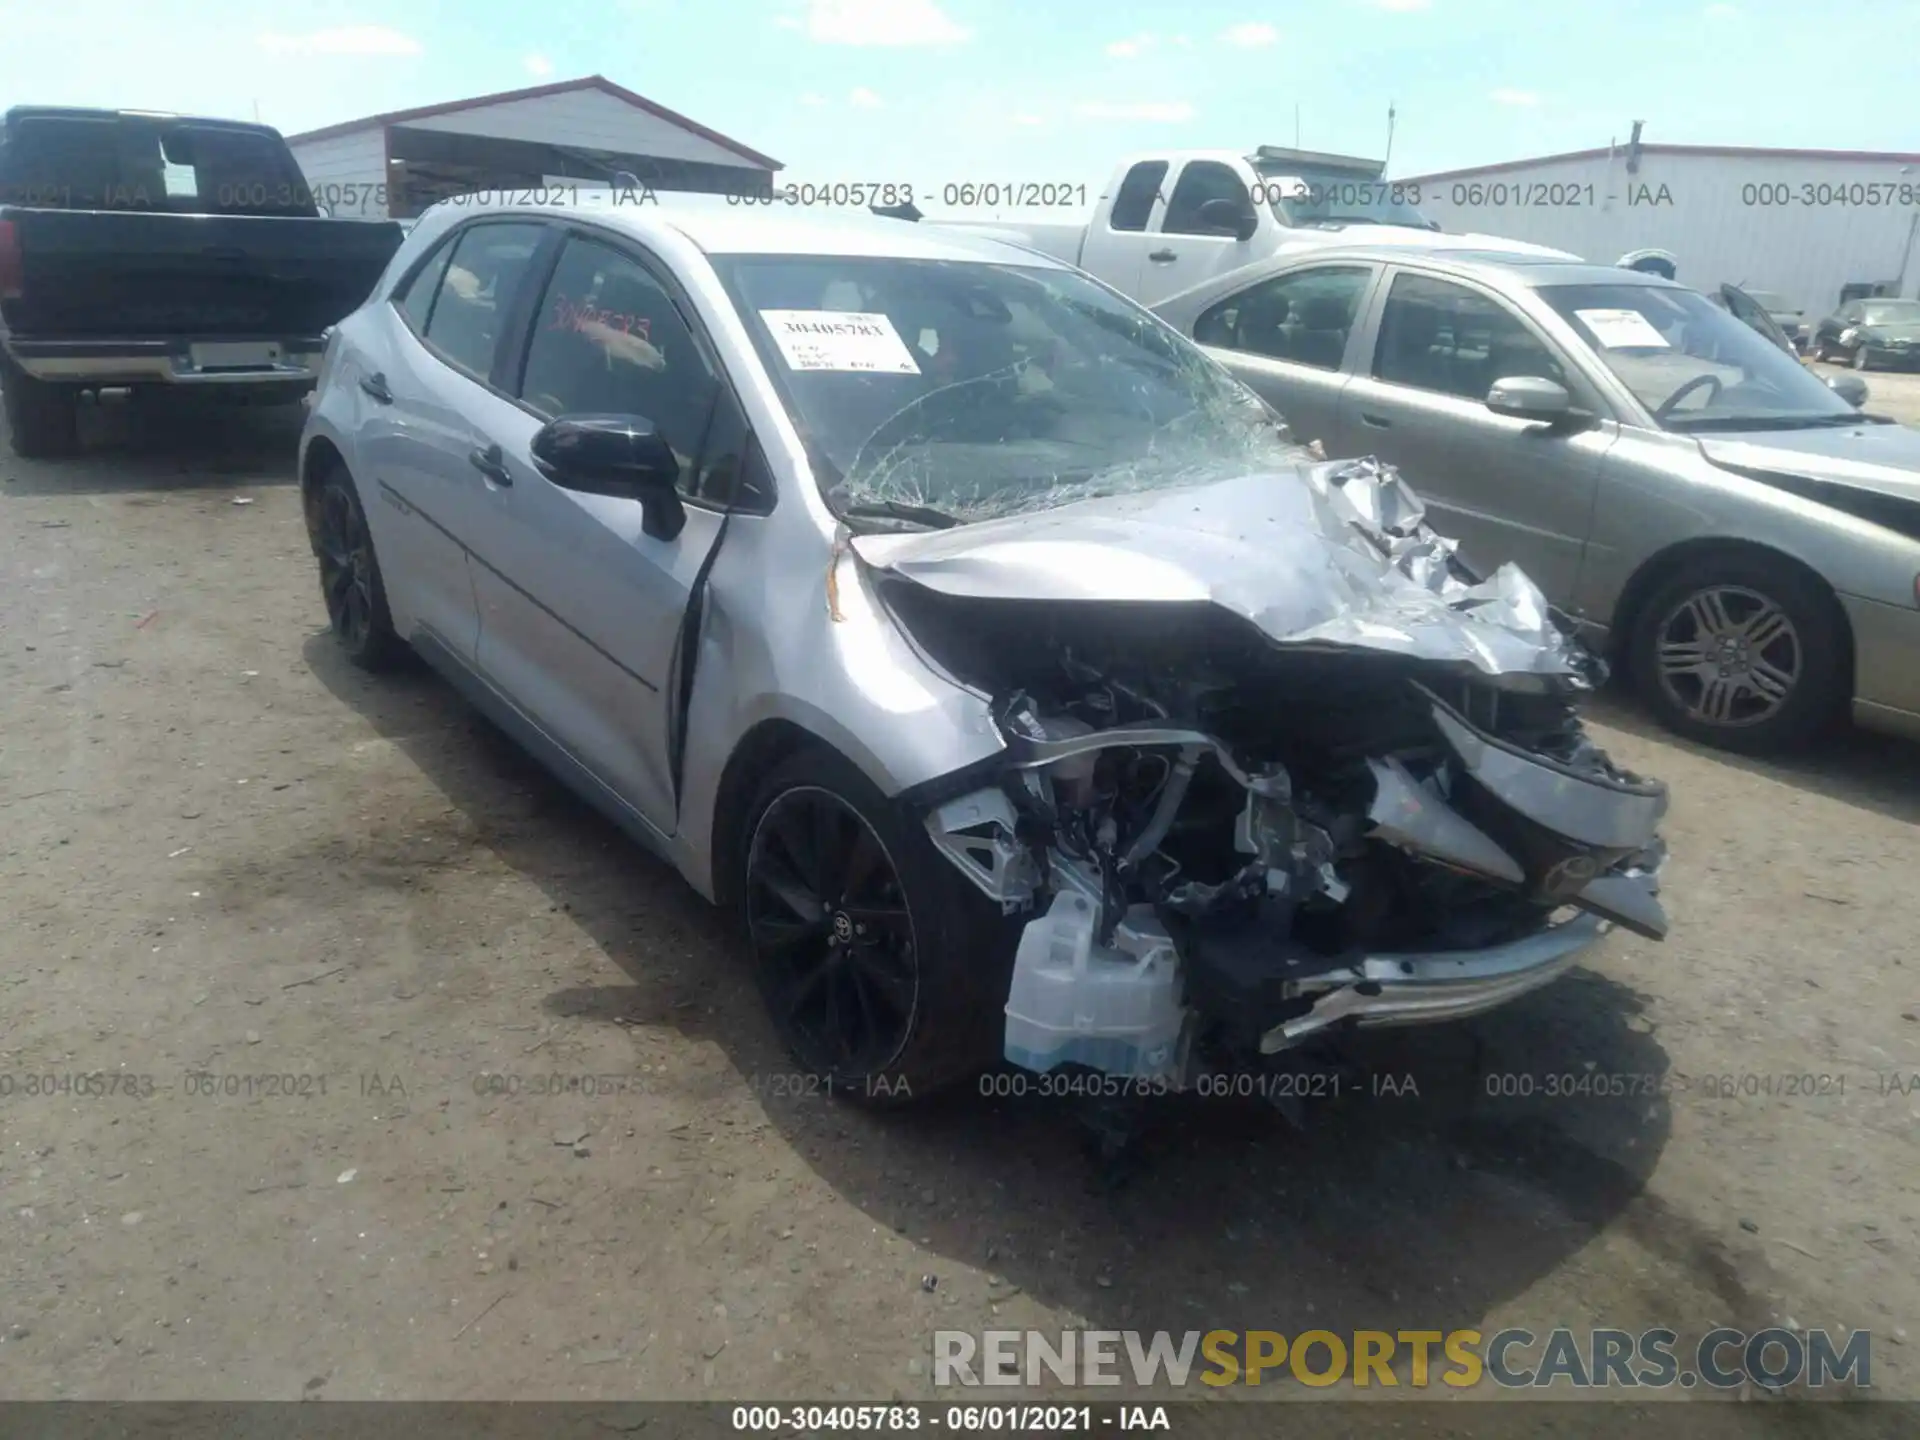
x=1890, y=312
x=1443, y=337
x=931, y=392
x=488, y=265
x=1304, y=316
x=608, y=340
x=1693, y=365
x=1201, y=181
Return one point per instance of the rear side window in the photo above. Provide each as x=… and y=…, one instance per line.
x=416, y=296
x=60, y=164
x=1303, y=316
x=487, y=267
x=1133, y=202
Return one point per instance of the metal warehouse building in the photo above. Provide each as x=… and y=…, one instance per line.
x=1817, y=226
x=588, y=131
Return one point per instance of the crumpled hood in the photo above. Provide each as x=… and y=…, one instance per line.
x=1336, y=554
x=1883, y=458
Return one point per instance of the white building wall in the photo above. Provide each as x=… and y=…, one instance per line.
x=347, y=173
x=589, y=119
x=1799, y=226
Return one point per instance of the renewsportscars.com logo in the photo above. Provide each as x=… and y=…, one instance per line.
x=1722, y=1359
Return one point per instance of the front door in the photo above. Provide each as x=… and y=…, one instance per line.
x=580, y=609
x=1506, y=489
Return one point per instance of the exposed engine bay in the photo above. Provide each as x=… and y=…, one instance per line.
x=1229, y=840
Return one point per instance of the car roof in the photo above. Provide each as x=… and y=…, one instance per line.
x=732, y=225
x=17, y=113
x=1509, y=267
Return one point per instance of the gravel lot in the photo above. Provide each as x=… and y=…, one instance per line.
x=227, y=852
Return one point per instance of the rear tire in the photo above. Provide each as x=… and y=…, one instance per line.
x=351, y=585
x=42, y=418
x=1861, y=360
x=884, y=973
x=1742, y=653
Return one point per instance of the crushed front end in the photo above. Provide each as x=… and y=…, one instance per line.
x=1225, y=841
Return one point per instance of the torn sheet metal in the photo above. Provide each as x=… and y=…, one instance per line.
x=1336, y=554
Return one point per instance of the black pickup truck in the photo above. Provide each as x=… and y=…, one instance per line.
x=164, y=254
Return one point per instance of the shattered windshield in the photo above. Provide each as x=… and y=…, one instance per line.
x=936, y=392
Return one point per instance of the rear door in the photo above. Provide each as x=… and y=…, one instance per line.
x=418, y=444
x=1507, y=489
x=1187, y=251
x=1292, y=337
x=581, y=610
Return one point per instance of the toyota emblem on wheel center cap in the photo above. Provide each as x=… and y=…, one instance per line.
x=842, y=926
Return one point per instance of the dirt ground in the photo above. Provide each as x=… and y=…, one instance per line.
x=326, y=936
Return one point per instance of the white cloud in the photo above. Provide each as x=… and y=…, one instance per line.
x=1134, y=110
x=1250, y=34
x=813, y=101
x=1722, y=12
x=862, y=98
x=1132, y=47
x=877, y=22
x=345, y=40
x=538, y=66
x=1402, y=7
x=1028, y=121
x=1514, y=97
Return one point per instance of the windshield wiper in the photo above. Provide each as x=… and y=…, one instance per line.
x=1772, y=422
x=899, y=510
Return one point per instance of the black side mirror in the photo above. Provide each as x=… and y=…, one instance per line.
x=619, y=455
x=1223, y=214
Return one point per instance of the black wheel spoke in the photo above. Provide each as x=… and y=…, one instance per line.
x=893, y=987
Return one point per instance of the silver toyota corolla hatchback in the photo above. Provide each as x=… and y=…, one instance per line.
x=983, y=644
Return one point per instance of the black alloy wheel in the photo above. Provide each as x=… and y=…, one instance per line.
x=884, y=972
x=832, y=932
x=350, y=579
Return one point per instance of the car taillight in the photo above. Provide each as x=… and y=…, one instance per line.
x=10, y=267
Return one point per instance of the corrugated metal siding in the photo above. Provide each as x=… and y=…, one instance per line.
x=1716, y=216
x=590, y=119
x=348, y=173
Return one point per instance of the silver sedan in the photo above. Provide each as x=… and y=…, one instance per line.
x=1744, y=537
x=973, y=637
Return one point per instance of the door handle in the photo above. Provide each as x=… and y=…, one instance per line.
x=1162, y=257
x=491, y=463
x=376, y=386
x=1375, y=422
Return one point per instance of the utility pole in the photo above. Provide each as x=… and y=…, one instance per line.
x=1389, y=154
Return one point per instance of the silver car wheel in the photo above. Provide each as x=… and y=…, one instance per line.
x=1729, y=656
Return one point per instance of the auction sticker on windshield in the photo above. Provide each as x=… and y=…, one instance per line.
x=1622, y=329
x=840, y=340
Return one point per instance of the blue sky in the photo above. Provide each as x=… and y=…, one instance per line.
x=931, y=91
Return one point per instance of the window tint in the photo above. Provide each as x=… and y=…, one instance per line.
x=1201, y=181
x=1435, y=335
x=415, y=298
x=1304, y=316
x=1133, y=202
x=609, y=341
x=488, y=266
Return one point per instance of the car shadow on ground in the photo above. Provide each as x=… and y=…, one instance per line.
x=1875, y=772
x=128, y=447
x=1464, y=1163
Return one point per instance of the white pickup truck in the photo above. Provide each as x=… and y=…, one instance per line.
x=1169, y=220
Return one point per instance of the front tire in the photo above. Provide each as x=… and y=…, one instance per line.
x=884, y=973
x=351, y=585
x=42, y=419
x=1742, y=653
